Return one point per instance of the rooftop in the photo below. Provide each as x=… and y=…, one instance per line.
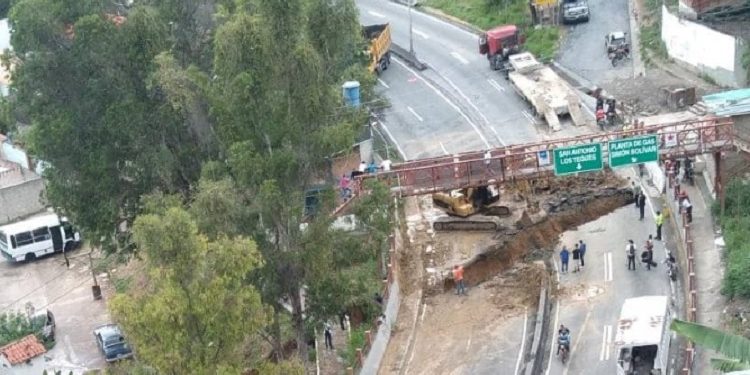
x=22, y=350
x=642, y=321
x=729, y=103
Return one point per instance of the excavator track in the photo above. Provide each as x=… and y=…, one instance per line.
x=449, y=224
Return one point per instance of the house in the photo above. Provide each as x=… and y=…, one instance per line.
x=21, y=189
x=21, y=351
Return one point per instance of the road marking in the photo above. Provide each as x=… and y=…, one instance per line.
x=496, y=85
x=383, y=83
x=420, y=33
x=376, y=14
x=424, y=310
x=557, y=273
x=523, y=339
x=468, y=344
x=413, y=112
x=393, y=140
x=527, y=115
x=606, y=342
x=608, y=266
x=444, y=149
x=486, y=121
x=440, y=94
x=459, y=58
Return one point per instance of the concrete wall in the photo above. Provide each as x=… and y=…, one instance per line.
x=713, y=53
x=15, y=155
x=381, y=339
x=21, y=200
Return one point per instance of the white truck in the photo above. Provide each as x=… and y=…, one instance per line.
x=642, y=339
x=548, y=94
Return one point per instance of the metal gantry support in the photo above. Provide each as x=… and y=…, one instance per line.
x=523, y=162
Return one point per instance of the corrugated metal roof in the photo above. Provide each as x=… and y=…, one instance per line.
x=729, y=103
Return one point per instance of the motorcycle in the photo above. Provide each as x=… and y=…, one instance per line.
x=564, y=354
x=671, y=266
x=621, y=53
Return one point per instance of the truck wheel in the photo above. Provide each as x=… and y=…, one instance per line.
x=30, y=257
x=383, y=65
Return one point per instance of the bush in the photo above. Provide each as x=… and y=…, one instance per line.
x=356, y=341
x=735, y=222
x=16, y=325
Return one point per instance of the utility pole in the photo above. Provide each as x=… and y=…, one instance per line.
x=411, y=34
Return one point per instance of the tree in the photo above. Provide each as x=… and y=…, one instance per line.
x=737, y=348
x=108, y=136
x=198, y=309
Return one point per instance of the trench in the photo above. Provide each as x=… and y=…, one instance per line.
x=538, y=241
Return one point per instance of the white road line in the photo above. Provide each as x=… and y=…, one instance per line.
x=393, y=140
x=486, y=121
x=554, y=326
x=609, y=343
x=383, y=83
x=527, y=115
x=424, y=310
x=604, y=343
x=606, y=269
x=460, y=58
x=496, y=85
x=440, y=94
x=523, y=339
x=413, y=112
x=609, y=267
x=376, y=14
x=468, y=344
x=557, y=273
x=420, y=33
x=444, y=149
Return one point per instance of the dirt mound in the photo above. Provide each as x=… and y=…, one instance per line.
x=566, y=212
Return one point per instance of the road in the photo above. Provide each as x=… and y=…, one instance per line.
x=591, y=300
x=582, y=49
x=47, y=283
x=458, y=71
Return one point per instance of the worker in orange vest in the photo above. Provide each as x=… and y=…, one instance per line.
x=458, y=278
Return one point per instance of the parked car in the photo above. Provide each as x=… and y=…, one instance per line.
x=112, y=343
x=46, y=321
x=615, y=40
x=575, y=11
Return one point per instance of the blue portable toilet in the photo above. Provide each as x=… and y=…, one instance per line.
x=351, y=93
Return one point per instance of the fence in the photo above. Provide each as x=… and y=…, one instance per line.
x=689, y=277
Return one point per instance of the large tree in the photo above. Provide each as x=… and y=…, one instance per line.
x=197, y=309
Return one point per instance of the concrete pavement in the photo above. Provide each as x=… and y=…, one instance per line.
x=589, y=302
x=582, y=49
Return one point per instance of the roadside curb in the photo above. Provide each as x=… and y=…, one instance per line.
x=535, y=355
x=408, y=57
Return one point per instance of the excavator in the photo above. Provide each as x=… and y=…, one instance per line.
x=462, y=203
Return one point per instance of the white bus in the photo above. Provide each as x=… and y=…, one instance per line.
x=37, y=236
x=643, y=337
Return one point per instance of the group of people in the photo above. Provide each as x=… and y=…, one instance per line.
x=578, y=253
x=345, y=181
x=647, y=256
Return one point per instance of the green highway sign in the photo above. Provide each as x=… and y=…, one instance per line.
x=579, y=158
x=633, y=151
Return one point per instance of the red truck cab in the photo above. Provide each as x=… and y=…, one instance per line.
x=500, y=42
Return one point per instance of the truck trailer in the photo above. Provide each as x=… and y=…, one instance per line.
x=548, y=94
x=643, y=337
x=379, y=48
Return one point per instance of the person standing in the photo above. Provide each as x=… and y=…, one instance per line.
x=630, y=252
x=329, y=336
x=650, y=252
x=576, y=258
x=564, y=255
x=642, y=204
x=636, y=192
x=582, y=248
x=346, y=191
x=659, y=220
x=458, y=278
x=688, y=207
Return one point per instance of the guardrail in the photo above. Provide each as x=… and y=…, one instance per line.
x=689, y=277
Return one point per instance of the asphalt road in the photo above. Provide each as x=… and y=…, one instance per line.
x=459, y=72
x=592, y=299
x=582, y=49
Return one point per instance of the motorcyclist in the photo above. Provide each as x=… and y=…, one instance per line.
x=563, y=338
x=600, y=117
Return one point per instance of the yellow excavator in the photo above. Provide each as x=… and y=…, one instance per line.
x=462, y=203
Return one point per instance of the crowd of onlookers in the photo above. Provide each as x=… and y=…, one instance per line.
x=345, y=181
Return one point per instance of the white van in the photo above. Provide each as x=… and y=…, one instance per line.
x=643, y=338
x=37, y=236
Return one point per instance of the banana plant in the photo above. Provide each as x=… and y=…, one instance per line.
x=735, y=348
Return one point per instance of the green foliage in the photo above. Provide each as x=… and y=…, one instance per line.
x=486, y=14
x=737, y=348
x=356, y=341
x=734, y=224
x=652, y=46
x=5, y=7
x=7, y=117
x=292, y=367
x=198, y=308
x=16, y=325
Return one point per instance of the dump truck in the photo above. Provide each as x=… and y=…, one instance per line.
x=472, y=209
x=499, y=43
x=379, y=47
x=546, y=92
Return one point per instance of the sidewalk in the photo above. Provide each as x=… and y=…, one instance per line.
x=709, y=269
